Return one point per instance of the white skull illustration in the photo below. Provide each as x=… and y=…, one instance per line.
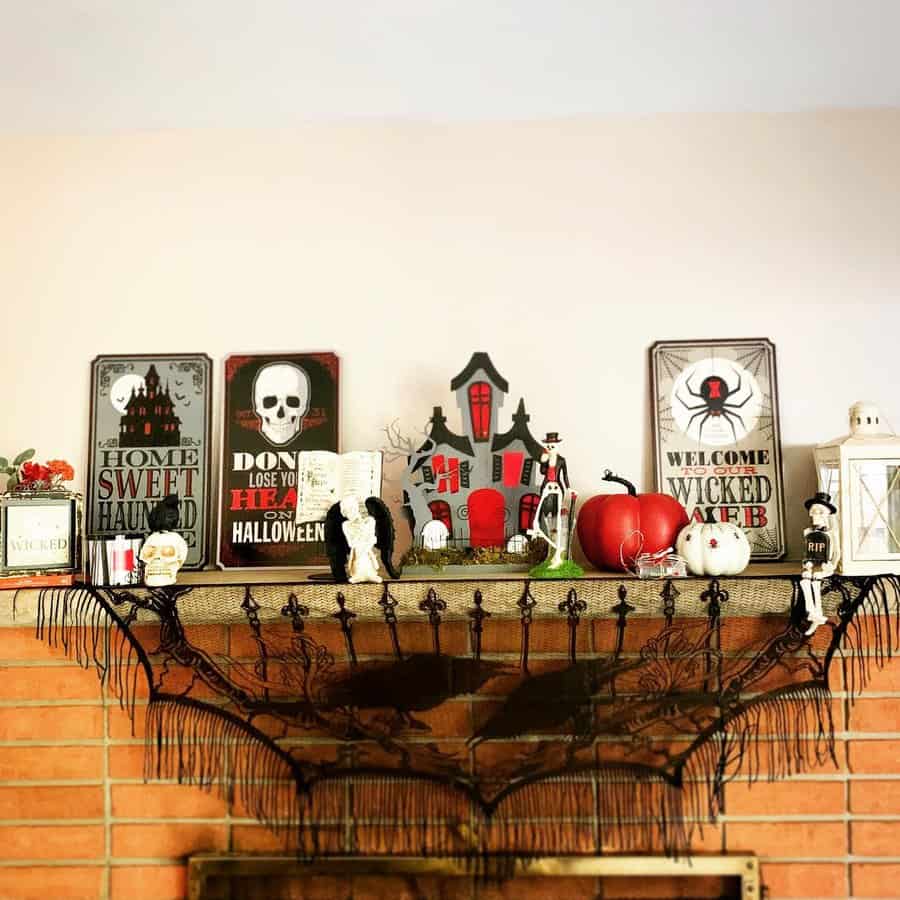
x=163, y=554
x=281, y=400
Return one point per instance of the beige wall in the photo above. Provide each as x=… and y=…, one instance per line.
x=563, y=248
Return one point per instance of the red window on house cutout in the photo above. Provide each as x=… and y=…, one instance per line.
x=446, y=473
x=480, y=409
x=440, y=510
x=527, y=508
x=512, y=468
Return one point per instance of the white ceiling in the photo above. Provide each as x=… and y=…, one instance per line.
x=98, y=65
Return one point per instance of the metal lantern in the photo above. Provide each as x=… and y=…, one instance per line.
x=861, y=472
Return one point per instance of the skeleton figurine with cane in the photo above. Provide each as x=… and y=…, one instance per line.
x=553, y=516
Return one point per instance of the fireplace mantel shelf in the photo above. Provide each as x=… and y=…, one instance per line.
x=763, y=589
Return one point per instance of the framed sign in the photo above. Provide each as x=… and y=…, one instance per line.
x=149, y=437
x=39, y=533
x=276, y=405
x=717, y=437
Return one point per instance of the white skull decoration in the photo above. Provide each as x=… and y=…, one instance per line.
x=281, y=400
x=163, y=554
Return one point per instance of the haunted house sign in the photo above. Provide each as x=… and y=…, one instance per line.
x=149, y=437
x=717, y=435
x=483, y=484
x=276, y=405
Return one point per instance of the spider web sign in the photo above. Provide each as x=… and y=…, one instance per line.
x=716, y=435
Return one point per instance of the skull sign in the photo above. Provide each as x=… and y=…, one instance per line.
x=281, y=399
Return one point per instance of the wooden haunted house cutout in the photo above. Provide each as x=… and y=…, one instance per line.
x=483, y=485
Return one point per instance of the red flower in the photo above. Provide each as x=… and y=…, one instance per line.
x=30, y=471
x=34, y=472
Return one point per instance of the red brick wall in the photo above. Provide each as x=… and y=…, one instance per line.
x=77, y=821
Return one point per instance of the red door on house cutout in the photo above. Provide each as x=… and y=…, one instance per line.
x=486, y=515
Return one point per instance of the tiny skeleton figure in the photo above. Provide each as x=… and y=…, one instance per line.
x=552, y=504
x=822, y=552
x=353, y=532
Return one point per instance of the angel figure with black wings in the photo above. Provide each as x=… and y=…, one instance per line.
x=353, y=532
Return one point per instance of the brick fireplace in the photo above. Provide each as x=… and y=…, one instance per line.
x=78, y=821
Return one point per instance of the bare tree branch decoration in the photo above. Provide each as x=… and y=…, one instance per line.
x=401, y=447
x=407, y=454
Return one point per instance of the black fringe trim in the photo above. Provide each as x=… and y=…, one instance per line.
x=198, y=744
x=90, y=631
x=869, y=629
x=770, y=737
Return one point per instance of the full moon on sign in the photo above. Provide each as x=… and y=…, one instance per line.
x=120, y=393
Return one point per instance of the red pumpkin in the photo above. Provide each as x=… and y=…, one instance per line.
x=615, y=528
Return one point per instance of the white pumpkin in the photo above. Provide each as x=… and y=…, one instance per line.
x=720, y=549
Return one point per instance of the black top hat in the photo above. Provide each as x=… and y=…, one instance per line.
x=822, y=499
x=552, y=437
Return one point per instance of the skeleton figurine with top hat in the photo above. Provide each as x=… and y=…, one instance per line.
x=555, y=509
x=820, y=558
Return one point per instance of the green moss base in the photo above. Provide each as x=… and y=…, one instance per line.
x=474, y=556
x=568, y=569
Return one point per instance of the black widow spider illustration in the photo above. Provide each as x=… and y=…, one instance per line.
x=714, y=392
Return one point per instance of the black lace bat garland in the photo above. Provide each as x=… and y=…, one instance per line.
x=435, y=725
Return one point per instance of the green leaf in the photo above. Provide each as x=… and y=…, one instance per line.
x=24, y=456
x=4, y=463
x=13, y=481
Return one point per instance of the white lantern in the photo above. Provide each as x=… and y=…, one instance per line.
x=861, y=472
